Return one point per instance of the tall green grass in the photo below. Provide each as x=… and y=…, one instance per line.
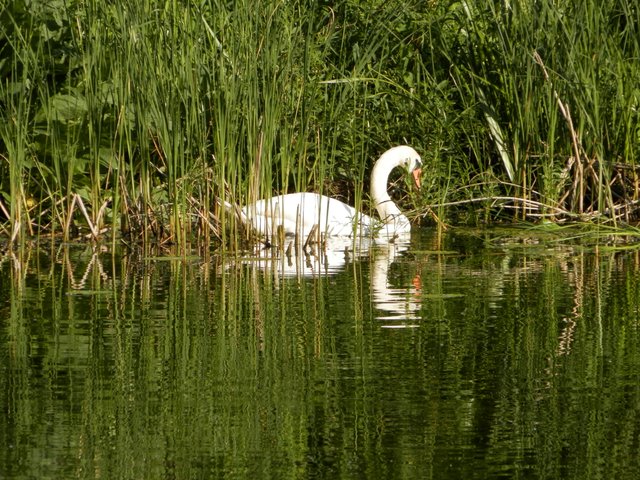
x=561, y=82
x=134, y=120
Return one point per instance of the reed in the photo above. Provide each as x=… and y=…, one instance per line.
x=559, y=81
x=135, y=120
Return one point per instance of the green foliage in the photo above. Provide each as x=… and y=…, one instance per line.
x=525, y=61
x=151, y=112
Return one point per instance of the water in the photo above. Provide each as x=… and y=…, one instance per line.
x=461, y=357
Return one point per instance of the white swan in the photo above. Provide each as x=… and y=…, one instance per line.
x=299, y=213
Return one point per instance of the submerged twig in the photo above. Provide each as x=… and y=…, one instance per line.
x=535, y=208
x=526, y=203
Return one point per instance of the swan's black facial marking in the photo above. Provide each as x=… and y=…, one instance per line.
x=413, y=163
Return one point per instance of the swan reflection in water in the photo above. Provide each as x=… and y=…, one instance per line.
x=314, y=260
x=396, y=302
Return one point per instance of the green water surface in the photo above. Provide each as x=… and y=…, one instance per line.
x=448, y=358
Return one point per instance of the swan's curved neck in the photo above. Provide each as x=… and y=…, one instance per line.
x=387, y=209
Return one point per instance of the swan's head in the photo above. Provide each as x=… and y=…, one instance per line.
x=407, y=157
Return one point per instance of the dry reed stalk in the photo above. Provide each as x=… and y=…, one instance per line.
x=313, y=237
x=93, y=228
x=577, y=191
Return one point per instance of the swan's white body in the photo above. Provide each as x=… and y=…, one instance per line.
x=299, y=213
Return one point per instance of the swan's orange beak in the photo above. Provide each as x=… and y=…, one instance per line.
x=416, y=177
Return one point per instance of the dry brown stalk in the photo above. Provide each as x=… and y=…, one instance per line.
x=578, y=189
x=95, y=231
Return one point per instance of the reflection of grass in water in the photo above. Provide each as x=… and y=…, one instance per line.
x=441, y=295
x=89, y=292
x=227, y=375
x=569, y=236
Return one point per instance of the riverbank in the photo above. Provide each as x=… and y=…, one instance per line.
x=134, y=121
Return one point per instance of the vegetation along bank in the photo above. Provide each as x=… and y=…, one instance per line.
x=136, y=120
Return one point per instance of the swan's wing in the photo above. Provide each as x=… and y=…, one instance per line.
x=339, y=219
x=294, y=212
x=304, y=210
